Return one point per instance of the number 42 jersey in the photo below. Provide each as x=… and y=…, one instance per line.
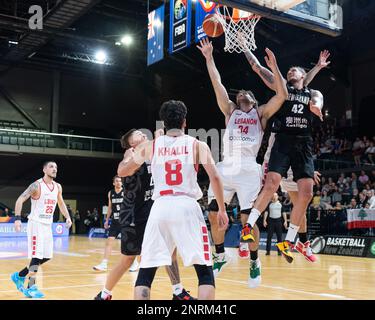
x=173, y=167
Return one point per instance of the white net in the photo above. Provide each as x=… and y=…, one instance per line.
x=239, y=29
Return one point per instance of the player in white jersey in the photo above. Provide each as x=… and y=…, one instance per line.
x=176, y=219
x=241, y=174
x=290, y=186
x=45, y=194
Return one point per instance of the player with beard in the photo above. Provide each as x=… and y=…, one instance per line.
x=45, y=194
x=292, y=147
x=245, y=123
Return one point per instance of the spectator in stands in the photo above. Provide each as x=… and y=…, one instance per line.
x=336, y=195
x=316, y=200
x=362, y=200
x=370, y=153
x=341, y=219
x=354, y=183
x=371, y=199
x=346, y=194
x=353, y=204
x=356, y=195
x=358, y=148
x=325, y=201
x=77, y=222
x=363, y=178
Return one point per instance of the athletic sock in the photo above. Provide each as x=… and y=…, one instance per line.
x=292, y=233
x=23, y=273
x=254, y=215
x=254, y=255
x=244, y=246
x=31, y=281
x=105, y=293
x=302, y=237
x=177, y=288
x=219, y=248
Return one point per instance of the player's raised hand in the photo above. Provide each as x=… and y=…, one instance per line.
x=206, y=48
x=270, y=59
x=222, y=220
x=323, y=63
x=129, y=153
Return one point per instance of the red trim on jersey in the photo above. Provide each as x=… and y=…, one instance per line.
x=196, y=165
x=171, y=192
x=53, y=185
x=40, y=192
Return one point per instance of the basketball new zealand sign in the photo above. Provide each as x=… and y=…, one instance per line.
x=344, y=246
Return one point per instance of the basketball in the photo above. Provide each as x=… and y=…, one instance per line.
x=212, y=26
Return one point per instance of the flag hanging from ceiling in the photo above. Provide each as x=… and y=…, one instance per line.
x=180, y=20
x=155, y=37
x=203, y=8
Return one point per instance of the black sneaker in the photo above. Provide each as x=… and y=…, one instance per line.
x=267, y=253
x=99, y=297
x=184, y=295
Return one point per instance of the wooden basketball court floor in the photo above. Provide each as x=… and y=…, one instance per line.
x=69, y=276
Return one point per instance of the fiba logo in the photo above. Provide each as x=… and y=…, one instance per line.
x=59, y=229
x=180, y=9
x=318, y=244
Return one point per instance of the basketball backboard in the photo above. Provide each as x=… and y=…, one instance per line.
x=324, y=16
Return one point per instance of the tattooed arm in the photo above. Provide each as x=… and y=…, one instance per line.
x=266, y=75
x=31, y=191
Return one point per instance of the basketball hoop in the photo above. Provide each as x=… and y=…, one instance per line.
x=239, y=29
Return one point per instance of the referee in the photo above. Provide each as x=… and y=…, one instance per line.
x=275, y=222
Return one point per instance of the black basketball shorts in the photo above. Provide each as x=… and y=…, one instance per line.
x=114, y=229
x=295, y=152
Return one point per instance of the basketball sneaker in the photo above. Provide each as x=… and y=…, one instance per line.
x=101, y=267
x=134, y=267
x=243, y=251
x=33, y=292
x=184, y=295
x=286, y=249
x=305, y=250
x=247, y=234
x=99, y=297
x=18, y=281
x=219, y=261
x=255, y=277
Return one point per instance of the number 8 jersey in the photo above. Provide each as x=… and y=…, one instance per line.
x=42, y=208
x=173, y=167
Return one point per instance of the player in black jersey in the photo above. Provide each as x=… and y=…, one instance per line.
x=134, y=212
x=115, y=198
x=292, y=148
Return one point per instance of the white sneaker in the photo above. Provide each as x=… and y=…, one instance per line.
x=134, y=267
x=101, y=267
x=255, y=278
x=219, y=262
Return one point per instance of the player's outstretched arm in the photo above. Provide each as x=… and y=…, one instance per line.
x=205, y=158
x=317, y=103
x=31, y=191
x=225, y=104
x=62, y=207
x=134, y=158
x=271, y=107
x=266, y=75
x=322, y=63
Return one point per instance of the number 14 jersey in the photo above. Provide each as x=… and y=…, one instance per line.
x=173, y=167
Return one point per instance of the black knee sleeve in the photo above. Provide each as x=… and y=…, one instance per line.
x=35, y=263
x=145, y=277
x=247, y=211
x=205, y=275
x=213, y=206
